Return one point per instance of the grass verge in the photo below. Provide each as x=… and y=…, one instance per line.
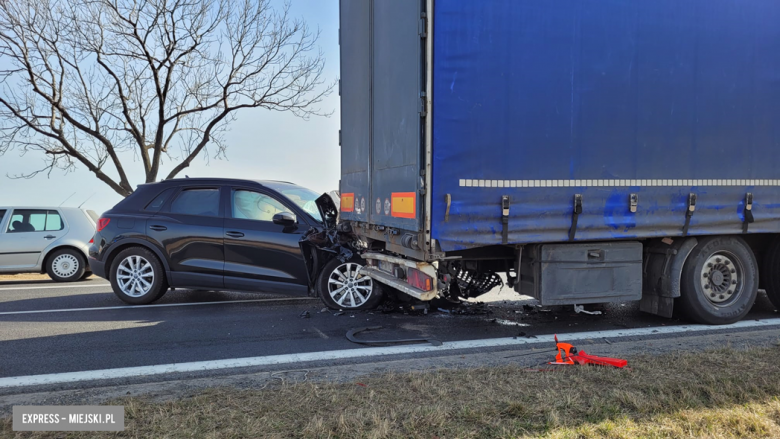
x=716, y=394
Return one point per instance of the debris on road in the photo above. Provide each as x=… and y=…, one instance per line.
x=305, y=315
x=351, y=337
x=581, y=309
x=568, y=355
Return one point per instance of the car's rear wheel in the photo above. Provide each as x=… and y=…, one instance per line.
x=719, y=281
x=342, y=286
x=137, y=276
x=66, y=265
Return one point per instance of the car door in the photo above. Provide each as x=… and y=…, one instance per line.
x=259, y=254
x=189, y=230
x=26, y=234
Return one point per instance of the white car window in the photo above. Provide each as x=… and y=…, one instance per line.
x=34, y=220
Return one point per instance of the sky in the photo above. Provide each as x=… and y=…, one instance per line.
x=262, y=144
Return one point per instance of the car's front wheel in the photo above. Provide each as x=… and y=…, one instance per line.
x=342, y=286
x=137, y=276
x=66, y=265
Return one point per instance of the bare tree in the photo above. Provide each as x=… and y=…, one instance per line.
x=86, y=80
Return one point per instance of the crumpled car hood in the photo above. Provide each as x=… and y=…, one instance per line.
x=328, y=205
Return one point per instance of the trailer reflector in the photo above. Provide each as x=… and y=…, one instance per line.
x=348, y=202
x=403, y=205
x=418, y=279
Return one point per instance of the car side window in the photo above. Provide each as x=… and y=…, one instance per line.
x=157, y=203
x=33, y=220
x=255, y=206
x=202, y=202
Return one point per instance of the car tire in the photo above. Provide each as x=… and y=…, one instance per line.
x=359, y=293
x=137, y=276
x=719, y=281
x=770, y=272
x=66, y=265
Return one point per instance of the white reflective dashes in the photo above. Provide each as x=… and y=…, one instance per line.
x=612, y=183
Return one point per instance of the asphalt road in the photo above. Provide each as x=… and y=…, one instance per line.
x=52, y=328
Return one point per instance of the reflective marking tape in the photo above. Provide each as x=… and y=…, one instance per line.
x=465, y=182
x=348, y=202
x=403, y=205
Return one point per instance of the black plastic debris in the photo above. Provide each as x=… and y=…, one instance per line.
x=351, y=337
x=305, y=315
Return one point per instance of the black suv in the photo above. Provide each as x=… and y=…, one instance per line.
x=222, y=234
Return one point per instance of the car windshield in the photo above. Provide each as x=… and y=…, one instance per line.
x=302, y=197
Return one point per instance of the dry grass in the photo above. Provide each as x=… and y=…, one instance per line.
x=721, y=394
x=27, y=277
x=24, y=276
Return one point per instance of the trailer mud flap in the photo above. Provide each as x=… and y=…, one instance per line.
x=662, y=272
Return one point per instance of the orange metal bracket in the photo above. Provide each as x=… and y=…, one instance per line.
x=569, y=355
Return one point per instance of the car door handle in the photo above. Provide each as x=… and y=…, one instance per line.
x=49, y=237
x=158, y=228
x=234, y=234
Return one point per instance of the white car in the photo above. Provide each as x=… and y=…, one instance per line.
x=51, y=240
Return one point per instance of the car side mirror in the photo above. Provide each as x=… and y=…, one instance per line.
x=285, y=219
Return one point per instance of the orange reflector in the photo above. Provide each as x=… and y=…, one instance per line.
x=403, y=205
x=348, y=202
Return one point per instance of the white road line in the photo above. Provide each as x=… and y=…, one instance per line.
x=47, y=287
x=201, y=366
x=41, y=311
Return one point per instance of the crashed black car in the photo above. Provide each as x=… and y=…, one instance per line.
x=212, y=234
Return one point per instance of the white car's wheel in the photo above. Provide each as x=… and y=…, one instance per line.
x=66, y=265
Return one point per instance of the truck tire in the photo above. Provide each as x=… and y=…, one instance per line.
x=770, y=272
x=137, y=276
x=66, y=265
x=341, y=287
x=719, y=281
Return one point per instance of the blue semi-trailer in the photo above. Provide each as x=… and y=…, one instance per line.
x=590, y=150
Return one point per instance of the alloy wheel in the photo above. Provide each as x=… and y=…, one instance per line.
x=135, y=276
x=347, y=287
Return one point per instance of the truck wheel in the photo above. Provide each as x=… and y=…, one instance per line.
x=137, y=276
x=770, y=272
x=340, y=286
x=719, y=281
x=66, y=265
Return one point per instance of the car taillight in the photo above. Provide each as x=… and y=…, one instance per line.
x=102, y=223
x=418, y=279
x=92, y=241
